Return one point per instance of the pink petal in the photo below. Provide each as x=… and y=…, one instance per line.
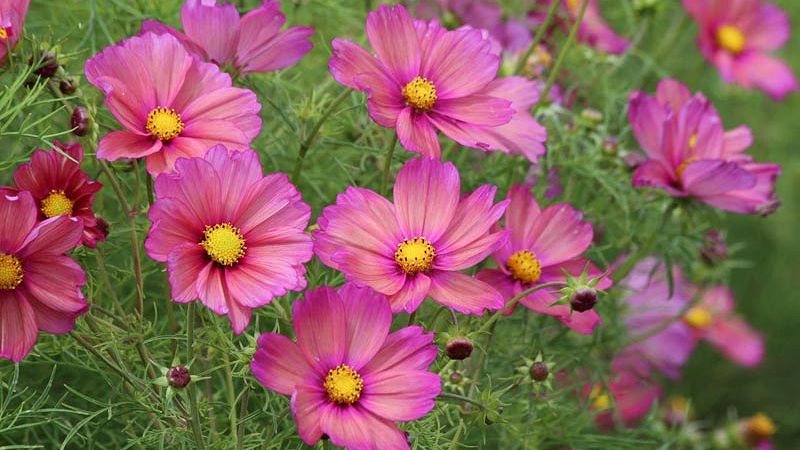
x=460, y=63
x=408, y=348
x=711, y=177
x=737, y=340
x=463, y=293
x=368, y=320
x=380, y=272
x=411, y=294
x=123, y=144
x=355, y=427
x=214, y=27
x=400, y=395
x=737, y=141
x=154, y=26
x=758, y=199
x=672, y=93
x=308, y=404
x=54, y=281
x=166, y=60
x=18, y=215
x=201, y=79
x=499, y=280
x=769, y=74
x=426, y=194
x=476, y=109
x=18, y=329
x=647, y=117
x=769, y=29
x=560, y=234
x=349, y=60
x=238, y=107
x=520, y=215
x=320, y=327
x=417, y=134
x=654, y=174
x=279, y=365
x=185, y=264
x=391, y=33
x=262, y=50
x=54, y=236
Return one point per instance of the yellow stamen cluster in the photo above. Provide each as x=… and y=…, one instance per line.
x=420, y=94
x=599, y=398
x=759, y=428
x=343, y=385
x=731, y=38
x=11, y=272
x=3, y=33
x=693, y=141
x=224, y=243
x=682, y=167
x=524, y=266
x=415, y=255
x=164, y=124
x=698, y=318
x=56, y=204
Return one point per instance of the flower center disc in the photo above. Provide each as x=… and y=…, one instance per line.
x=698, y=318
x=524, y=266
x=5, y=32
x=56, y=204
x=682, y=167
x=164, y=124
x=731, y=38
x=420, y=94
x=600, y=399
x=11, y=272
x=415, y=255
x=343, y=385
x=224, y=243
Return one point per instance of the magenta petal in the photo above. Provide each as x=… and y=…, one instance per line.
x=499, y=280
x=737, y=141
x=560, y=234
x=426, y=194
x=400, y=395
x=408, y=348
x=54, y=236
x=156, y=53
x=349, y=60
x=211, y=290
x=476, y=109
x=368, y=320
x=54, y=281
x=278, y=52
x=758, y=199
x=521, y=215
x=18, y=329
x=237, y=106
x=18, y=215
x=769, y=74
x=460, y=63
x=124, y=144
x=647, y=117
x=769, y=29
x=417, y=134
x=411, y=295
x=672, y=93
x=309, y=402
x=712, y=177
x=463, y=293
x=320, y=327
x=185, y=263
x=391, y=33
x=279, y=364
x=154, y=26
x=357, y=428
x=736, y=340
x=380, y=272
x=654, y=174
x=215, y=27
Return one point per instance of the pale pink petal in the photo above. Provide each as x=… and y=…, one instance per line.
x=408, y=348
x=123, y=144
x=309, y=401
x=320, y=327
x=417, y=134
x=391, y=33
x=357, y=428
x=215, y=27
x=426, y=194
x=560, y=234
x=411, y=294
x=736, y=340
x=463, y=293
x=387, y=394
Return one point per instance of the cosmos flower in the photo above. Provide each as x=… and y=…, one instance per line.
x=714, y=320
x=426, y=78
x=691, y=155
x=349, y=378
x=39, y=284
x=417, y=245
x=12, y=18
x=59, y=186
x=542, y=245
x=171, y=104
x=229, y=235
x=253, y=43
x=737, y=36
x=632, y=392
x=593, y=30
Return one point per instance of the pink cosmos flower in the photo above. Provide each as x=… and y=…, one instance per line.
x=737, y=36
x=714, y=320
x=253, y=43
x=417, y=245
x=12, y=18
x=632, y=391
x=349, y=378
x=426, y=78
x=171, y=104
x=229, y=235
x=542, y=245
x=59, y=186
x=39, y=284
x=691, y=155
x=593, y=30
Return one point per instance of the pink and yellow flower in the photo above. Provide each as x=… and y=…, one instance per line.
x=59, y=186
x=691, y=155
x=737, y=36
x=40, y=287
x=253, y=43
x=417, y=245
x=349, y=378
x=593, y=30
x=12, y=19
x=542, y=245
x=171, y=104
x=629, y=395
x=229, y=235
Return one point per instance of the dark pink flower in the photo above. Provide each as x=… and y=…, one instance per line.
x=253, y=43
x=737, y=36
x=593, y=30
x=542, y=245
x=349, y=378
x=417, y=245
x=229, y=235
x=632, y=392
x=59, y=186
x=171, y=104
x=426, y=78
x=12, y=19
x=40, y=287
x=691, y=155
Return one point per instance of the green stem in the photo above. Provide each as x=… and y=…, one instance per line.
x=551, y=13
x=644, y=250
x=513, y=302
x=231, y=391
x=461, y=398
x=309, y=141
x=387, y=164
x=242, y=413
x=198, y=436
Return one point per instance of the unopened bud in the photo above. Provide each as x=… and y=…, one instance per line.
x=178, y=377
x=714, y=249
x=583, y=299
x=79, y=121
x=459, y=348
x=67, y=87
x=46, y=66
x=456, y=378
x=539, y=371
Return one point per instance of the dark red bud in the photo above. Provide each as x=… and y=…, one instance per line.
x=178, y=377
x=67, y=87
x=539, y=371
x=79, y=121
x=583, y=299
x=46, y=66
x=459, y=348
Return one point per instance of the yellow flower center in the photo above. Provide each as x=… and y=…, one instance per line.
x=573, y=5
x=682, y=167
x=224, y=243
x=698, y=318
x=164, y=124
x=420, y=94
x=524, y=266
x=343, y=385
x=599, y=398
x=56, y=204
x=3, y=33
x=731, y=38
x=415, y=255
x=760, y=427
x=11, y=272
x=693, y=140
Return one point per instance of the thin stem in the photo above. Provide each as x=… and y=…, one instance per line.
x=513, y=302
x=306, y=145
x=231, y=391
x=242, y=413
x=198, y=437
x=461, y=398
x=387, y=164
x=551, y=13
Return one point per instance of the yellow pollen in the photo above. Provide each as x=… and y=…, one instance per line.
x=760, y=427
x=698, y=318
x=524, y=266
x=224, y=243
x=420, y=94
x=3, y=33
x=415, y=255
x=731, y=38
x=56, y=204
x=600, y=399
x=682, y=167
x=164, y=124
x=573, y=5
x=11, y=272
x=343, y=385
x=693, y=141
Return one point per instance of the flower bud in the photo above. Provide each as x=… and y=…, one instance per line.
x=67, y=86
x=583, y=299
x=459, y=348
x=178, y=377
x=46, y=66
x=79, y=121
x=456, y=378
x=539, y=371
x=714, y=249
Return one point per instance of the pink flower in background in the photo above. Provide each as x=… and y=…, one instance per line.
x=59, y=186
x=542, y=245
x=714, y=320
x=39, y=284
x=426, y=78
x=229, y=235
x=349, y=378
x=632, y=391
x=737, y=36
x=12, y=19
x=417, y=245
x=593, y=31
x=253, y=43
x=691, y=155
x=171, y=104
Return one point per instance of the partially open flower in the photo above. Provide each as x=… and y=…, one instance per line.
x=178, y=376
